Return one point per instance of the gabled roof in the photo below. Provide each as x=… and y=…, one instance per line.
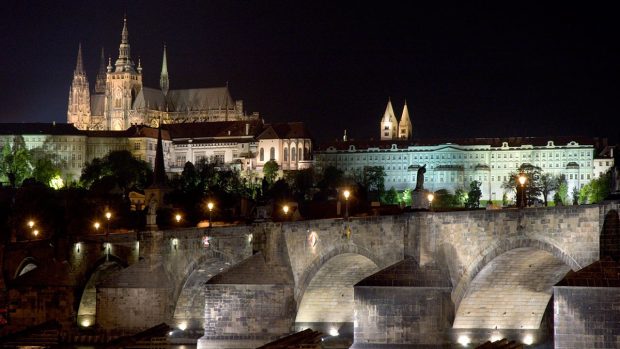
x=150, y=98
x=285, y=130
x=220, y=129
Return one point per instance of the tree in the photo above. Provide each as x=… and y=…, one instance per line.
x=532, y=186
x=15, y=163
x=561, y=194
x=270, y=171
x=121, y=167
x=575, y=196
x=391, y=197
x=548, y=183
x=473, y=197
x=596, y=190
x=374, y=181
x=45, y=169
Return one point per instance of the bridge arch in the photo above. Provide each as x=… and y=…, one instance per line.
x=492, y=251
x=26, y=265
x=326, y=300
x=188, y=298
x=511, y=295
x=86, y=305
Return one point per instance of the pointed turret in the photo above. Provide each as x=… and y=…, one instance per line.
x=164, y=82
x=389, y=124
x=78, y=108
x=124, y=62
x=79, y=66
x=101, y=74
x=405, y=129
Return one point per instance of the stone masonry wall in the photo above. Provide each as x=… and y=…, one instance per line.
x=466, y=241
x=587, y=317
x=399, y=315
x=246, y=316
x=380, y=239
x=132, y=308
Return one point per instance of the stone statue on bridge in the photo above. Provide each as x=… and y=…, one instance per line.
x=419, y=185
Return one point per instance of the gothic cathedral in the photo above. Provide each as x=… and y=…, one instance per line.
x=120, y=100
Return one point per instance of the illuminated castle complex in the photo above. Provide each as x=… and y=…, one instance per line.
x=121, y=100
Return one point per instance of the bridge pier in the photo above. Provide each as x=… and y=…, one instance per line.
x=403, y=304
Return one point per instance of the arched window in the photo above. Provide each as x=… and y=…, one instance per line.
x=262, y=154
x=293, y=154
x=285, y=154
x=300, y=153
x=272, y=153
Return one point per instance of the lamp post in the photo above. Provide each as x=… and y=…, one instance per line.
x=177, y=217
x=522, y=179
x=97, y=225
x=210, y=207
x=285, y=209
x=430, y=198
x=346, y=195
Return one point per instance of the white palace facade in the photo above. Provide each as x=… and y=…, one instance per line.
x=452, y=164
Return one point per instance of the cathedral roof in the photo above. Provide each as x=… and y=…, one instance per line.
x=35, y=128
x=220, y=130
x=285, y=130
x=150, y=98
x=200, y=99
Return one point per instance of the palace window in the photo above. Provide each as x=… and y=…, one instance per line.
x=294, y=154
x=285, y=154
x=262, y=154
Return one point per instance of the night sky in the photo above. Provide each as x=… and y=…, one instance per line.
x=465, y=71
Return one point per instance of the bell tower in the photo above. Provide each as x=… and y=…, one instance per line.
x=124, y=82
x=78, y=109
x=389, y=124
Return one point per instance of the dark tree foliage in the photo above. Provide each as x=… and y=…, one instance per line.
x=330, y=181
x=270, y=171
x=474, y=194
x=374, y=181
x=117, y=169
x=532, y=186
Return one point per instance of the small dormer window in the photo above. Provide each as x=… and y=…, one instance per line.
x=504, y=144
x=351, y=148
x=550, y=144
x=394, y=147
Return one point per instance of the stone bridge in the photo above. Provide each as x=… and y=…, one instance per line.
x=420, y=278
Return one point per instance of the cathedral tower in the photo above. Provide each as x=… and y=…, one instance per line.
x=101, y=75
x=78, y=110
x=389, y=124
x=123, y=83
x=405, y=130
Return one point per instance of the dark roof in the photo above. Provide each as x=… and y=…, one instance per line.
x=285, y=130
x=200, y=99
x=493, y=142
x=37, y=128
x=131, y=132
x=220, y=129
x=602, y=273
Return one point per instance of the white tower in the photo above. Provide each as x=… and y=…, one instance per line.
x=405, y=130
x=389, y=124
x=78, y=109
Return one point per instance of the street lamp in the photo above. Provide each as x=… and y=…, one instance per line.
x=177, y=217
x=430, y=198
x=346, y=194
x=35, y=233
x=30, y=224
x=522, y=179
x=108, y=215
x=210, y=207
x=96, y=225
x=285, y=209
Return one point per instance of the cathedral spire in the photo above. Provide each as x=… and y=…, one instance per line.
x=164, y=82
x=389, y=124
x=124, y=63
x=405, y=129
x=101, y=74
x=79, y=66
